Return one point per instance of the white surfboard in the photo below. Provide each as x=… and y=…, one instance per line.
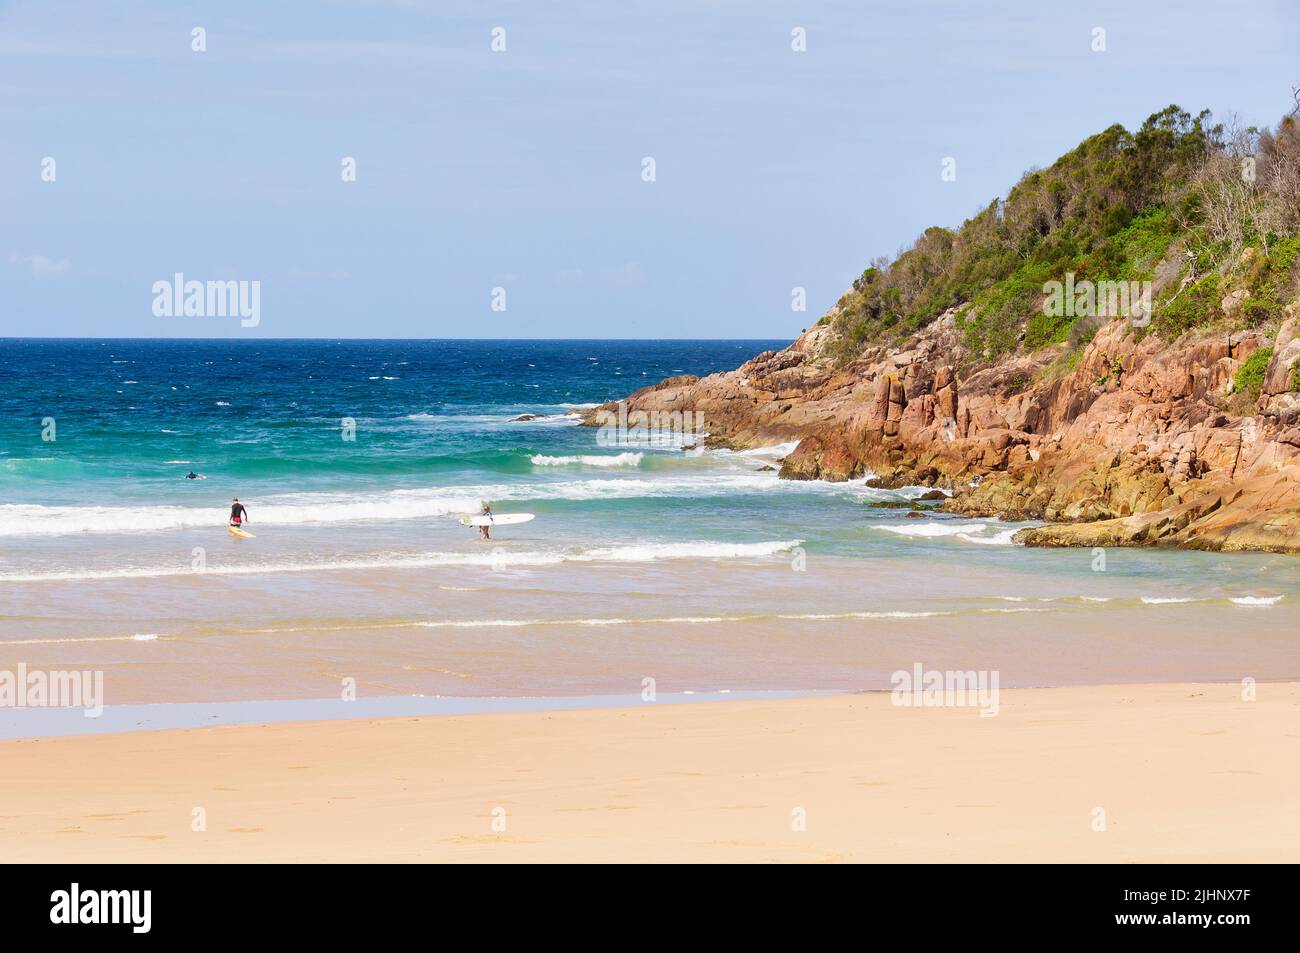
x=505, y=519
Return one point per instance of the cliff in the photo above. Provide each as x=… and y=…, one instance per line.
x=1179, y=426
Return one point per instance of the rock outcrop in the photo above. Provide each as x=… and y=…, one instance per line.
x=1138, y=442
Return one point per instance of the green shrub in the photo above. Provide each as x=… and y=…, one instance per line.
x=1095, y=211
x=1139, y=248
x=1191, y=307
x=1271, y=280
x=1110, y=210
x=1250, y=376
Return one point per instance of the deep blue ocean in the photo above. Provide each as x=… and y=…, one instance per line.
x=132, y=417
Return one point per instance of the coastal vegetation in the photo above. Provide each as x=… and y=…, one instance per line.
x=1250, y=376
x=1206, y=212
x=990, y=360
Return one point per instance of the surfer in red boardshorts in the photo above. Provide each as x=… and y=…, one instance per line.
x=237, y=512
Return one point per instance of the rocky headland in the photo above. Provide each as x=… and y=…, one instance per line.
x=1178, y=429
x=1138, y=444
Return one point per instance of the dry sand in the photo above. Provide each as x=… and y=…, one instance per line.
x=1182, y=772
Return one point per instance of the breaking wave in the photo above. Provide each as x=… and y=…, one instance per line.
x=589, y=460
x=646, y=552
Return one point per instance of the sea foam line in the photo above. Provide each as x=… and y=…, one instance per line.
x=966, y=532
x=646, y=552
x=21, y=519
x=606, y=621
x=588, y=460
x=594, y=621
x=138, y=637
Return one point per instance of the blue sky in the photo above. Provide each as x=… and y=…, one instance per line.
x=522, y=169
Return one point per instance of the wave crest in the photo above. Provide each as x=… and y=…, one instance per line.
x=589, y=460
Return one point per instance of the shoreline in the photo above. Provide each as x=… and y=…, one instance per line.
x=1183, y=772
x=38, y=724
x=179, y=716
x=1142, y=530
x=715, y=627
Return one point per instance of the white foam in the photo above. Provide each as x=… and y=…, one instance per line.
x=895, y=614
x=460, y=418
x=296, y=509
x=933, y=529
x=603, y=621
x=568, y=419
x=1257, y=600
x=589, y=460
x=82, y=638
x=966, y=532
x=423, y=561
x=520, y=623
x=648, y=552
x=433, y=560
x=1004, y=538
x=776, y=450
x=1165, y=600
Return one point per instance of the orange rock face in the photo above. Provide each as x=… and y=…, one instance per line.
x=1140, y=443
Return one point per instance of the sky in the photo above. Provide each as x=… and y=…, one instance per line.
x=504, y=193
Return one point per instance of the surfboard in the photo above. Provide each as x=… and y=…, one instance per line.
x=241, y=533
x=505, y=519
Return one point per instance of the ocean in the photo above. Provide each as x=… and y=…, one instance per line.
x=696, y=569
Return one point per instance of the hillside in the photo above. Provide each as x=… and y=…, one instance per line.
x=998, y=361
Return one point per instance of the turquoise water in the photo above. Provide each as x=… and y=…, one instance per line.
x=435, y=434
x=133, y=416
x=697, y=567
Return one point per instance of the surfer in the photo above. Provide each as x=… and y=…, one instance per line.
x=193, y=476
x=487, y=511
x=237, y=513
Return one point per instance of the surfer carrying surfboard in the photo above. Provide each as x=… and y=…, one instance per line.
x=487, y=511
x=237, y=513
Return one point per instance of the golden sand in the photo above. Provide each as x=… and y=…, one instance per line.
x=1172, y=772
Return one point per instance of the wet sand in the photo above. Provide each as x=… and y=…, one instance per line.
x=692, y=625
x=1182, y=772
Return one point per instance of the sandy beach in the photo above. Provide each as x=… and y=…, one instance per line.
x=1183, y=772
